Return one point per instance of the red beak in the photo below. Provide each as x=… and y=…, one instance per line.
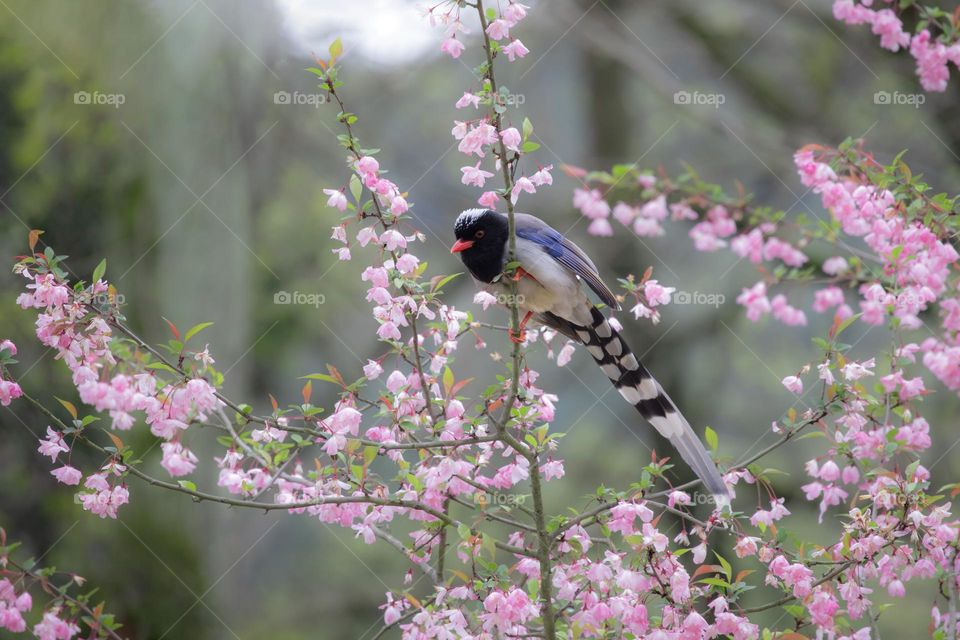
x=461, y=245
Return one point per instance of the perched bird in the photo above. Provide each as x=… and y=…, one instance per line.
x=548, y=283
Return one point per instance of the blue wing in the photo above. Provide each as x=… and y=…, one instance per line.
x=566, y=253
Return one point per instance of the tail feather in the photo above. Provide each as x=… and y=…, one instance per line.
x=639, y=388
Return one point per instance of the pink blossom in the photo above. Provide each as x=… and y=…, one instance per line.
x=177, y=460
x=515, y=50
x=498, y=29
x=755, y=300
x=398, y=205
x=484, y=298
x=475, y=176
x=785, y=313
x=53, y=445
x=372, y=370
x=407, y=263
x=477, y=138
x=746, y=546
x=514, y=13
x=600, y=227
x=392, y=240
x=366, y=235
x=488, y=199
x=9, y=347
x=657, y=294
x=793, y=384
x=452, y=47
x=836, y=265
x=367, y=166
x=468, y=99
x=389, y=331
x=565, y=355
x=552, y=470
x=888, y=26
x=337, y=199
x=67, y=475
x=542, y=177
x=522, y=184
x=9, y=391
x=511, y=138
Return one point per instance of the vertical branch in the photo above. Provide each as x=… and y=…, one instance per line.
x=543, y=539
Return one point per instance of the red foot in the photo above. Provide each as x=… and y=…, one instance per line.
x=523, y=329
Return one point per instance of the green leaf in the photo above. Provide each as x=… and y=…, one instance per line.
x=529, y=147
x=195, y=329
x=448, y=380
x=162, y=367
x=186, y=484
x=369, y=454
x=727, y=569
x=336, y=48
x=99, y=271
x=445, y=280
x=321, y=376
x=846, y=323
x=527, y=128
x=711, y=437
x=356, y=187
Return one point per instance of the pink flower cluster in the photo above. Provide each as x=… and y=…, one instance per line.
x=931, y=55
x=497, y=30
x=12, y=607
x=82, y=339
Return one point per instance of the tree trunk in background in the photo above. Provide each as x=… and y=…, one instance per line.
x=614, y=126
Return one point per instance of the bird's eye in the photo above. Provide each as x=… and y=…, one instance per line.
x=479, y=234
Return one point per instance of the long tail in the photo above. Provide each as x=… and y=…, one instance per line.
x=639, y=388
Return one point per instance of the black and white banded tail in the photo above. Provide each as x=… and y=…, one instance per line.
x=639, y=388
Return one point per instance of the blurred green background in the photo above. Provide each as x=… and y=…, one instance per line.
x=203, y=191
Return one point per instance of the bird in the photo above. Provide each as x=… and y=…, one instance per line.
x=548, y=280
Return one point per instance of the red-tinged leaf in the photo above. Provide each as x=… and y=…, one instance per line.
x=647, y=274
x=496, y=404
x=458, y=386
x=656, y=520
x=273, y=403
x=33, y=237
x=336, y=375
x=306, y=391
x=707, y=568
x=386, y=402
x=743, y=574
x=413, y=601
x=117, y=442
x=72, y=410
x=573, y=171
x=173, y=328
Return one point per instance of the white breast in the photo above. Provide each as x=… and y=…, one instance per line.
x=552, y=288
